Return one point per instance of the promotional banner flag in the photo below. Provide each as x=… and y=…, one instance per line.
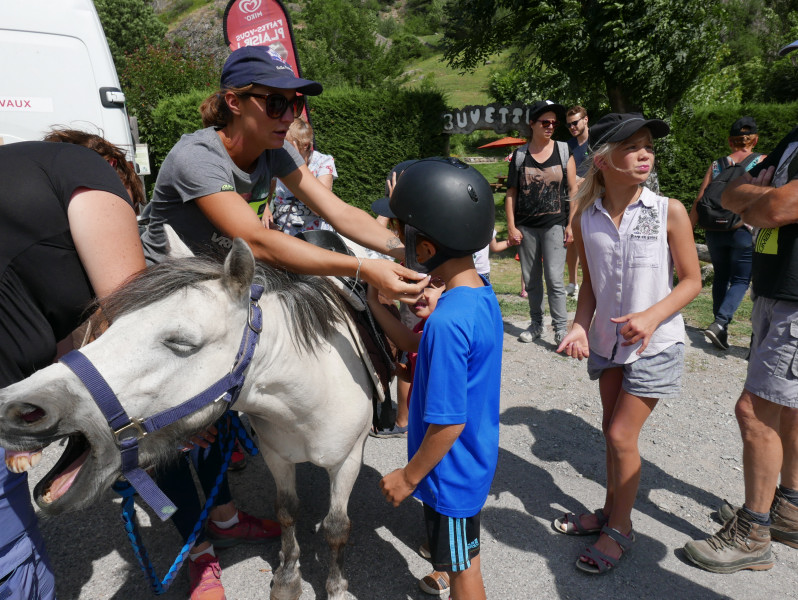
x=261, y=23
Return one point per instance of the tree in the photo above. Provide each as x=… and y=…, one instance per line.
x=633, y=55
x=128, y=25
x=338, y=45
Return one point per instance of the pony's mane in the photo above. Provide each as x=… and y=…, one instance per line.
x=313, y=305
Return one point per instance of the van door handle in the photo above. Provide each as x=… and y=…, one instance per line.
x=112, y=97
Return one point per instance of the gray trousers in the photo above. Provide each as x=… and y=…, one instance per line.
x=542, y=253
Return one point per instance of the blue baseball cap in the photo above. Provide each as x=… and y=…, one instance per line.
x=263, y=66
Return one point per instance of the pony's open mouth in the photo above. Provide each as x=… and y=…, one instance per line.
x=61, y=477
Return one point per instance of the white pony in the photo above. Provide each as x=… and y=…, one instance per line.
x=176, y=329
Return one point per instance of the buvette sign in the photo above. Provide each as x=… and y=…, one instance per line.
x=501, y=118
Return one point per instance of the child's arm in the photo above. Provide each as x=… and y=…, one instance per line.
x=575, y=343
x=403, y=338
x=572, y=187
x=439, y=439
x=501, y=246
x=641, y=326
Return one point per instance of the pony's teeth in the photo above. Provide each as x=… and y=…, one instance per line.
x=19, y=462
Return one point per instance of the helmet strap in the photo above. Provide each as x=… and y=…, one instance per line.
x=411, y=259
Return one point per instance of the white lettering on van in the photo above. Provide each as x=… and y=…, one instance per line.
x=25, y=104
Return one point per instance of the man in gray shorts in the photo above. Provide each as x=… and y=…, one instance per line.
x=767, y=411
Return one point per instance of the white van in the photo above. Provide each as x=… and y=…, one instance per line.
x=56, y=69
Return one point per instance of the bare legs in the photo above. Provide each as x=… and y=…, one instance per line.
x=468, y=584
x=624, y=416
x=770, y=447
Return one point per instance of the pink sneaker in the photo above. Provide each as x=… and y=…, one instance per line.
x=205, y=578
x=248, y=530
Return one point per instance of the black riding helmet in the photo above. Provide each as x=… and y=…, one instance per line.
x=449, y=203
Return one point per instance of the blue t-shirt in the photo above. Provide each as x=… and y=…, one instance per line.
x=457, y=380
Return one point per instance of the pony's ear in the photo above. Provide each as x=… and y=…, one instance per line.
x=176, y=248
x=239, y=269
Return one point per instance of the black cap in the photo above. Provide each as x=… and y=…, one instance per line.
x=616, y=127
x=263, y=66
x=788, y=48
x=542, y=106
x=382, y=206
x=743, y=126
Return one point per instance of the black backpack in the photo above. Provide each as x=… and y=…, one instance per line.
x=711, y=214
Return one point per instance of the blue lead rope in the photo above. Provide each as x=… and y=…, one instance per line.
x=227, y=437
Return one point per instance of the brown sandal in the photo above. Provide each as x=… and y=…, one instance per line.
x=435, y=584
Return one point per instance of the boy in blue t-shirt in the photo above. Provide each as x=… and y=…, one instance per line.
x=453, y=442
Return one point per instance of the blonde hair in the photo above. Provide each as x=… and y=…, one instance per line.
x=301, y=132
x=214, y=110
x=746, y=141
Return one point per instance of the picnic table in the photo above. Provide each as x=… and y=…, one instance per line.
x=500, y=185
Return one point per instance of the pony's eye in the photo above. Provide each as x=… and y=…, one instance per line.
x=180, y=346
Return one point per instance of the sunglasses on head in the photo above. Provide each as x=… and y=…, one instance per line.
x=574, y=123
x=548, y=123
x=277, y=104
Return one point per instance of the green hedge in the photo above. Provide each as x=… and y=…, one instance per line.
x=366, y=131
x=172, y=117
x=700, y=136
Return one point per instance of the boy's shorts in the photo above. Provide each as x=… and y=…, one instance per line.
x=773, y=362
x=656, y=376
x=453, y=542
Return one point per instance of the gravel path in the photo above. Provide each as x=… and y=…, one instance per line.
x=551, y=459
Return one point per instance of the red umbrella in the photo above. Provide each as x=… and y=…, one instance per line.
x=505, y=141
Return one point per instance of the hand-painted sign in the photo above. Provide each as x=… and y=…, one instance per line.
x=500, y=118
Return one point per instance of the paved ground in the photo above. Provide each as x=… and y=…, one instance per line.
x=551, y=459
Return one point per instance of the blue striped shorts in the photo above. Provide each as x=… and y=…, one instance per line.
x=453, y=542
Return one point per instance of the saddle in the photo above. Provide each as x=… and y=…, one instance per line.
x=376, y=350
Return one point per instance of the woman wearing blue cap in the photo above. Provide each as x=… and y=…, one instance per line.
x=214, y=184
x=212, y=187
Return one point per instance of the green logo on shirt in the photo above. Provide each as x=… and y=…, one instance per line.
x=228, y=188
x=767, y=242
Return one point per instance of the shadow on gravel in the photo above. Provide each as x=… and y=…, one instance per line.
x=561, y=436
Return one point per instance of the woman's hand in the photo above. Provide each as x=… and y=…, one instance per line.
x=394, y=281
x=638, y=326
x=575, y=343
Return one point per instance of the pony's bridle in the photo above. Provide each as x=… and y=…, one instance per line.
x=128, y=431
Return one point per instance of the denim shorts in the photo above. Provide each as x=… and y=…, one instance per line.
x=772, y=363
x=656, y=376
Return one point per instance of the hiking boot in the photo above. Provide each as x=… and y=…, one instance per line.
x=739, y=545
x=559, y=336
x=783, y=517
x=248, y=530
x=717, y=335
x=205, y=578
x=784, y=520
x=531, y=333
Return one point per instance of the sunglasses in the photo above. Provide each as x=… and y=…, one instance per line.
x=277, y=104
x=548, y=123
x=573, y=123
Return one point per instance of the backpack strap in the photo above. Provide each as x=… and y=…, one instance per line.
x=749, y=159
x=565, y=154
x=520, y=155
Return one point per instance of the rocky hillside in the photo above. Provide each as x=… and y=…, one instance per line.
x=200, y=30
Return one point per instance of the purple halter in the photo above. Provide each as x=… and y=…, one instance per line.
x=128, y=431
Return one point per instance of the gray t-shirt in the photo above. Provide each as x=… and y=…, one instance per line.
x=198, y=166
